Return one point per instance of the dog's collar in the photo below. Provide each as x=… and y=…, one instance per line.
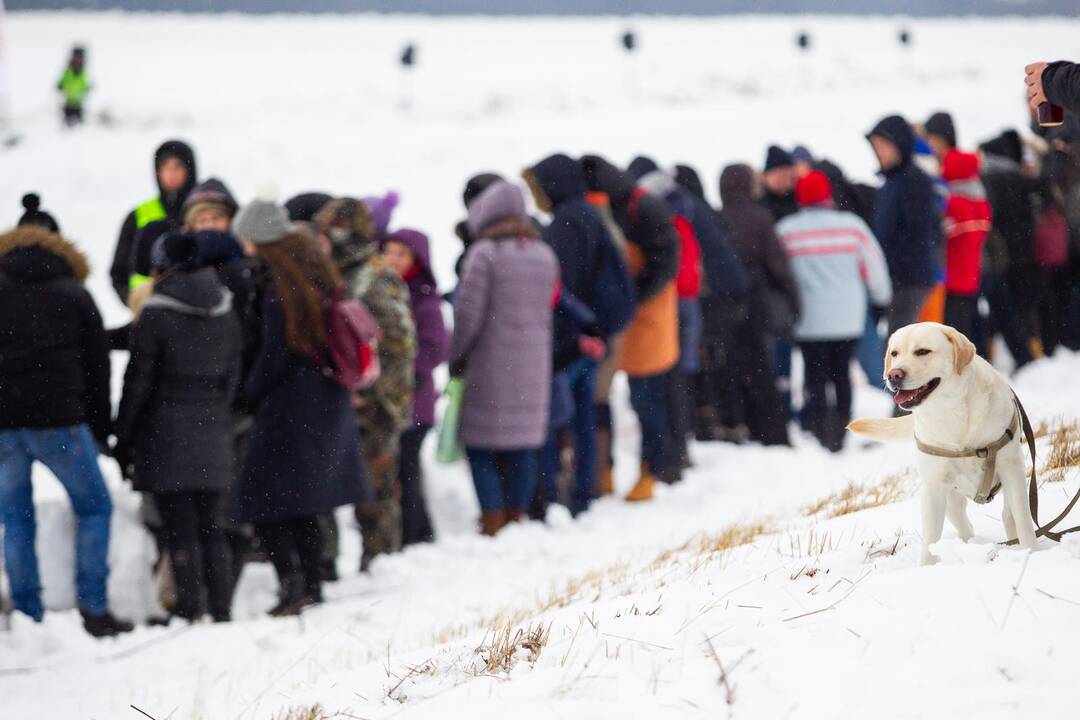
x=988, y=488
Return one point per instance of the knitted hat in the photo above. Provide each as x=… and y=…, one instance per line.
x=813, y=189
x=777, y=157
x=35, y=216
x=381, y=209
x=261, y=221
x=478, y=184
x=801, y=155
x=941, y=124
x=209, y=193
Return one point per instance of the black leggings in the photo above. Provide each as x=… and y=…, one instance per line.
x=201, y=560
x=828, y=362
x=415, y=521
x=295, y=548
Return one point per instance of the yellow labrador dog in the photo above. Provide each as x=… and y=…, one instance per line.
x=959, y=404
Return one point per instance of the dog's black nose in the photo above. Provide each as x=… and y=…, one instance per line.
x=897, y=376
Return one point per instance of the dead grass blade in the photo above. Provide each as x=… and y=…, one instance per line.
x=1064, y=450
x=855, y=498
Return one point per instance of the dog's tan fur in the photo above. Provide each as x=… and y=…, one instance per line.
x=970, y=408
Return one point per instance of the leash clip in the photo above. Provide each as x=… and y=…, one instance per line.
x=982, y=453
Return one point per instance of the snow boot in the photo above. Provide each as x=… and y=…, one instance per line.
x=604, y=472
x=514, y=516
x=104, y=625
x=492, y=521
x=643, y=490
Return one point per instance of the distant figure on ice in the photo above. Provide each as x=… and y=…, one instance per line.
x=75, y=85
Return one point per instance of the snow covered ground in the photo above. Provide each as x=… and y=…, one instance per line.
x=726, y=596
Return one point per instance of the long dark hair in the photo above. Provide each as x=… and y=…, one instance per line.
x=305, y=281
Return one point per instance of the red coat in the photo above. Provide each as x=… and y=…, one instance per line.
x=967, y=222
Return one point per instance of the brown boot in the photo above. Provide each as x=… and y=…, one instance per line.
x=643, y=490
x=514, y=516
x=604, y=473
x=492, y=521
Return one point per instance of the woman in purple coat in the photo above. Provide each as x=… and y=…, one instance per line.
x=502, y=348
x=408, y=253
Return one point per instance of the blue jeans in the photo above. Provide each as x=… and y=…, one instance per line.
x=513, y=488
x=582, y=377
x=71, y=455
x=648, y=397
x=871, y=352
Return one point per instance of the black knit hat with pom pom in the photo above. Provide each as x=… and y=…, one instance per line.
x=34, y=215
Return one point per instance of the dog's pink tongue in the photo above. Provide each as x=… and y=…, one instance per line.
x=903, y=396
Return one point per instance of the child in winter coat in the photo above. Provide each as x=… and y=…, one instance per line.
x=967, y=223
x=408, y=253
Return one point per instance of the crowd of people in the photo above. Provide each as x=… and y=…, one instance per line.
x=282, y=356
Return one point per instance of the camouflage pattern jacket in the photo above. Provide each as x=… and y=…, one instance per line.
x=387, y=405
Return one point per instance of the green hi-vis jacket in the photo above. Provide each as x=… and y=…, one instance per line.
x=74, y=86
x=150, y=211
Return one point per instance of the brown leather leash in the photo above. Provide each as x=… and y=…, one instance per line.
x=988, y=488
x=1046, y=530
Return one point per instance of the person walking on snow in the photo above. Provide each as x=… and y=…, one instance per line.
x=836, y=262
x=74, y=85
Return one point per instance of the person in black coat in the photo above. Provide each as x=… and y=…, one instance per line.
x=303, y=459
x=578, y=236
x=778, y=184
x=174, y=427
x=907, y=220
x=758, y=412
x=1010, y=278
x=175, y=173
x=54, y=409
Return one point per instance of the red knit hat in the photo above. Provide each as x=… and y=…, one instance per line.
x=813, y=188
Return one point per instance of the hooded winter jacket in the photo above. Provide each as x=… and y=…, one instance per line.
x=907, y=219
x=54, y=354
x=175, y=414
x=836, y=260
x=753, y=236
x=1011, y=196
x=967, y=222
x=369, y=279
x=651, y=343
x=163, y=210
x=432, y=340
x=503, y=326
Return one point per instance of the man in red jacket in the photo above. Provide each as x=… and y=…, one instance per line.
x=967, y=223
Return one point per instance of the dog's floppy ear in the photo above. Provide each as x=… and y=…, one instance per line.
x=963, y=349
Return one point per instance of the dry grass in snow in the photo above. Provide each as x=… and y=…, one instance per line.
x=855, y=497
x=1064, y=449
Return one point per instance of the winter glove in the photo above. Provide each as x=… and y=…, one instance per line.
x=457, y=368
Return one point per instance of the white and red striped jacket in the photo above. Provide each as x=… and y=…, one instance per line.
x=837, y=264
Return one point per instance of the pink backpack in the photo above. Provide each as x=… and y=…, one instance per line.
x=1051, y=239
x=352, y=345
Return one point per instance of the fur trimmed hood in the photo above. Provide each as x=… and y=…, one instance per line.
x=33, y=252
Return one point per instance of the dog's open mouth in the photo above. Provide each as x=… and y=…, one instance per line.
x=908, y=399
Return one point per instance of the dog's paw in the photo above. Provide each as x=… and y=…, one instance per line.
x=929, y=559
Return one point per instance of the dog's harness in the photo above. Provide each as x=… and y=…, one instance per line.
x=988, y=487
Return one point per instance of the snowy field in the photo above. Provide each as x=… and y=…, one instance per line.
x=733, y=594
